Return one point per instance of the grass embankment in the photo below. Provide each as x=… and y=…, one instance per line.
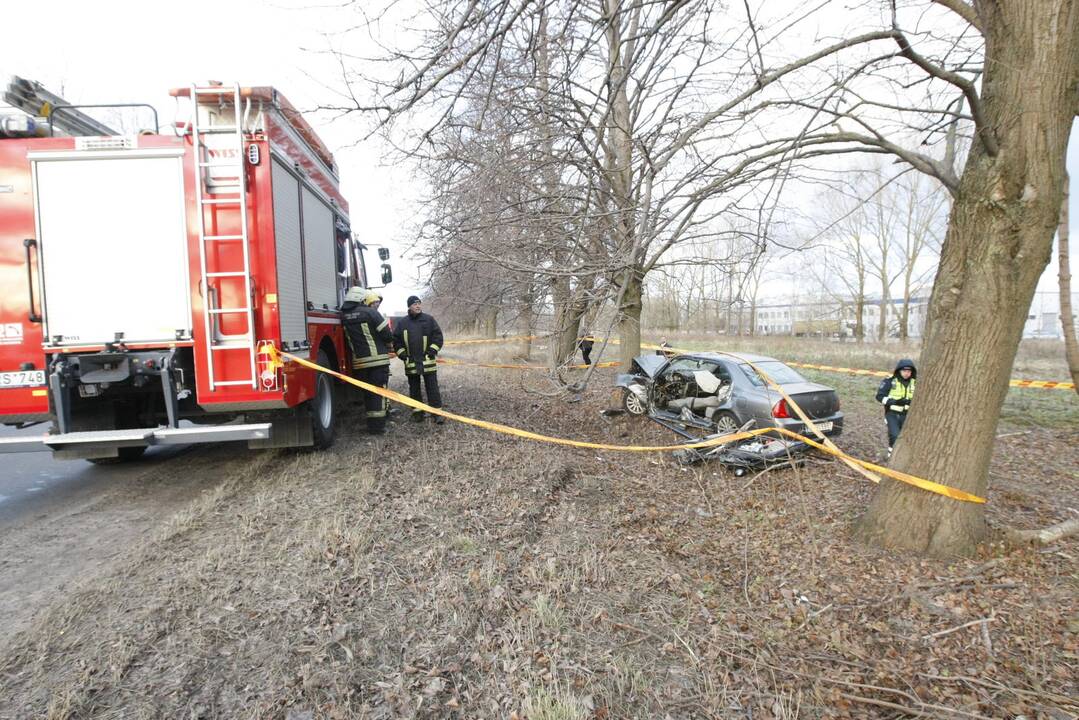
x=442, y=572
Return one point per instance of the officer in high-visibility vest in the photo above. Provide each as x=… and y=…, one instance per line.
x=369, y=338
x=417, y=339
x=895, y=394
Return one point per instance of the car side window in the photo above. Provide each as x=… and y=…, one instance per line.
x=777, y=371
x=682, y=364
x=752, y=375
x=719, y=370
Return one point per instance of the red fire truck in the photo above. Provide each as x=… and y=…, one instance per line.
x=142, y=273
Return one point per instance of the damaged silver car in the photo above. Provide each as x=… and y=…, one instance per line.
x=710, y=393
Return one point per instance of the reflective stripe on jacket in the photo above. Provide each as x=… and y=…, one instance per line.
x=894, y=389
x=368, y=335
x=413, y=337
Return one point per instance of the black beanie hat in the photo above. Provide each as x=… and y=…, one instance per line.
x=412, y=300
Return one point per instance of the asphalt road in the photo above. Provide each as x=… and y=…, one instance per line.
x=33, y=482
x=65, y=521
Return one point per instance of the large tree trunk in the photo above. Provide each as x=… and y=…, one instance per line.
x=904, y=315
x=859, y=309
x=882, y=319
x=629, y=322
x=489, y=318
x=560, y=329
x=999, y=240
x=727, y=330
x=1064, y=273
x=528, y=321
x=619, y=174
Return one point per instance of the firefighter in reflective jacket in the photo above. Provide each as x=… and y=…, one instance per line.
x=369, y=339
x=895, y=394
x=417, y=338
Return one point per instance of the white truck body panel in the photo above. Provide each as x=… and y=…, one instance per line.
x=113, y=236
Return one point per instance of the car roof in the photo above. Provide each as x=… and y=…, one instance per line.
x=751, y=357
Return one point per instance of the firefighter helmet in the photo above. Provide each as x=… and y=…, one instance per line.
x=371, y=297
x=356, y=294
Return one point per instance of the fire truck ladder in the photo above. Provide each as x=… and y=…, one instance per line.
x=233, y=195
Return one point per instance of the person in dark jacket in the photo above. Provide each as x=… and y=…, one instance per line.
x=369, y=339
x=417, y=339
x=895, y=393
x=586, y=343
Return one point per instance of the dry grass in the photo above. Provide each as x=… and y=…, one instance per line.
x=439, y=572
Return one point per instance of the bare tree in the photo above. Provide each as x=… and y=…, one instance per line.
x=659, y=161
x=842, y=229
x=999, y=239
x=925, y=206
x=883, y=220
x=1067, y=316
x=673, y=118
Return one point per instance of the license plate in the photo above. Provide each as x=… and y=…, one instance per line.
x=22, y=378
x=825, y=426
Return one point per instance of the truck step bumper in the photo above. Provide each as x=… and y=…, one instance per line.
x=110, y=439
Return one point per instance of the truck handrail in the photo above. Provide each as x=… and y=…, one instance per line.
x=29, y=243
x=61, y=108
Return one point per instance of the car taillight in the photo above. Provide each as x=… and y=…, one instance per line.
x=780, y=410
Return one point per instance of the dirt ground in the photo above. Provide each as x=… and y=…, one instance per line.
x=60, y=542
x=444, y=572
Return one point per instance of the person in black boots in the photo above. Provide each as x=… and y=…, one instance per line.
x=369, y=339
x=417, y=340
x=586, y=343
x=895, y=393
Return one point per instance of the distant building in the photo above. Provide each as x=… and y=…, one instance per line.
x=834, y=317
x=1043, y=318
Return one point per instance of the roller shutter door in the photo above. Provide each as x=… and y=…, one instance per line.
x=290, y=296
x=319, y=256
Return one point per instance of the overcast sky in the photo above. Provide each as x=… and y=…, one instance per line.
x=126, y=51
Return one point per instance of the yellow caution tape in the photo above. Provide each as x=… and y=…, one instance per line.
x=506, y=429
x=1042, y=384
x=938, y=488
x=712, y=442
x=502, y=366
x=486, y=341
x=848, y=371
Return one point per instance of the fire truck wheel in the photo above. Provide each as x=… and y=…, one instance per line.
x=323, y=416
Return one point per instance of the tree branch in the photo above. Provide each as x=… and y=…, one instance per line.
x=964, y=11
x=985, y=133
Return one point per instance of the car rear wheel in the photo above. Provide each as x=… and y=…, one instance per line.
x=632, y=402
x=726, y=423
